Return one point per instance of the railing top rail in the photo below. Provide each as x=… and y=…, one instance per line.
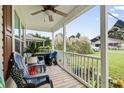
x=84, y=55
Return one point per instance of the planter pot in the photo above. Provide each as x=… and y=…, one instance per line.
x=32, y=60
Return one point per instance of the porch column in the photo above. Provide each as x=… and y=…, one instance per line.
x=64, y=45
x=104, y=45
x=53, y=42
x=64, y=38
x=24, y=39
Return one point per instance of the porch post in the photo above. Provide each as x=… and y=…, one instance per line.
x=104, y=46
x=64, y=37
x=24, y=39
x=64, y=44
x=53, y=42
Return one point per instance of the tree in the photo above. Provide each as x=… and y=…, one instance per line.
x=72, y=36
x=47, y=39
x=78, y=43
x=37, y=35
x=78, y=35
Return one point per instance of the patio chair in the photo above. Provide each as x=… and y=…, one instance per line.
x=39, y=61
x=53, y=56
x=37, y=79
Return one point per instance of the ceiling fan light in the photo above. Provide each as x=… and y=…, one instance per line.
x=48, y=12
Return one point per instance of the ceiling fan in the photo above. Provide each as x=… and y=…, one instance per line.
x=49, y=9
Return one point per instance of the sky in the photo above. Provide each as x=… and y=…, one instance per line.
x=88, y=24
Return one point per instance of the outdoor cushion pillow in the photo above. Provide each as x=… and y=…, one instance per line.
x=17, y=77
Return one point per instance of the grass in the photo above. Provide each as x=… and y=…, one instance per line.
x=116, y=63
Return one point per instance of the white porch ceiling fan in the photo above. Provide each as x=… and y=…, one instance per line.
x=49, y=9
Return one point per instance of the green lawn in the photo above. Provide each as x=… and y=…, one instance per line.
x=116, y=63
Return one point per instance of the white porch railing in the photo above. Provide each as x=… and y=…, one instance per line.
x=85, y=68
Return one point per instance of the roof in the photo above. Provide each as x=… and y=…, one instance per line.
x=32, y=38
x=36, y=22
x=119, y=24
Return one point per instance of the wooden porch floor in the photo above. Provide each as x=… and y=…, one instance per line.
x=61, y=79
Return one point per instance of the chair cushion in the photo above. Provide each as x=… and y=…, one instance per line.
x=17, y=77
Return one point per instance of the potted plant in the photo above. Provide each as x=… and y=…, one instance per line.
x=32, y=49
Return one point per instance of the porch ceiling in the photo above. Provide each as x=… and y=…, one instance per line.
x=36, y=22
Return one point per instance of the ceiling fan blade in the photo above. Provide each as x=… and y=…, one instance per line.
x=60, y=13
x=45, y=7
x=50, y=18
x=37, y=12
x=55, y=6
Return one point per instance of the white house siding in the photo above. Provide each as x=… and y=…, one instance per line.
x=1, y=42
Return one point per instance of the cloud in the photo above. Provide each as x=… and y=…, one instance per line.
x=119, y=7
x=113, y=10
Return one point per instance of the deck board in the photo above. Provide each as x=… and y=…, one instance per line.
x=61, y=79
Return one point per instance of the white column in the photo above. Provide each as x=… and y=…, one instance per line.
x=104, y=45
x=53, y=42
x=25, y=38
x=64, y=38
x=64, y=45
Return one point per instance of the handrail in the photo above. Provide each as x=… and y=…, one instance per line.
x=80, y=54
x=85, y=67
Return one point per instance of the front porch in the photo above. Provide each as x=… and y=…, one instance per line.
x=73, y=70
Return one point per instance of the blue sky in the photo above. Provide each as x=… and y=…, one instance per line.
x=88, y=24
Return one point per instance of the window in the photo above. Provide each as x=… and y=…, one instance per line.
x=17, y=25
x=19, y=34
x=17, y=45
x=22, y=31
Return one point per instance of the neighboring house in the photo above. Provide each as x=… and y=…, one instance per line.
x=30, y=39
x=115, y=37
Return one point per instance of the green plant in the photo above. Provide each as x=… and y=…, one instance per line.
x=32, y=49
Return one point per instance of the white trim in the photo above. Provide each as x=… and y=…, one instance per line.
x=24, y=38
x=104, y=46
x=53, y=41
x=20, y=39
x=64, y=37
x=64, y=44
x=13, y=32
x=13, y=24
